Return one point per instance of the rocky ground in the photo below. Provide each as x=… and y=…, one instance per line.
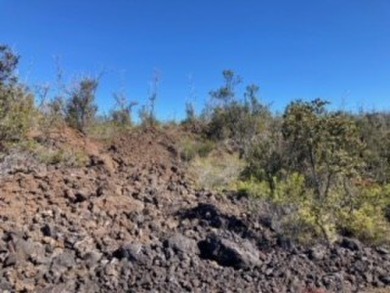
x=130, y=221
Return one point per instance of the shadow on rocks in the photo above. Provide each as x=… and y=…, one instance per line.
x=210, y=216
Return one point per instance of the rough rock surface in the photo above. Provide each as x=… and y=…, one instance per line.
x=130, y=221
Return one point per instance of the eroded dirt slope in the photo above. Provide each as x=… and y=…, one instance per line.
x=130, y=221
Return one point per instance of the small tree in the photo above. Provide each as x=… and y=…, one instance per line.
x=226, y=95
x=190, y=113
x=266, y=159
x=224, y=107
x=321, y=145
x=235, y=119
x=16, y=102
x=254, y=120
x=81, y=108
x=324, y=147
x=8, y=64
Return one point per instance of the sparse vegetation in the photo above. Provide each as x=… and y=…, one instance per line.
x=191, y=148
x=121, y=116
x=16, y=102
x=235, y=119
x=216, y=171
x=147, y=112
x=329, y=169
x=81, y=108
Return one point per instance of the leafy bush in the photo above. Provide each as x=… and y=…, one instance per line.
x=191, y=148
x=16, y=114
x=8, y=63
x=16, y=103
x=321, y=147
x=81, y=108
x=265, y=157
x=320, y=144
x=230, y=117
x=298, y=218
x=366, y=218
x=313, y=163
x=374, y=129
x=307, y=219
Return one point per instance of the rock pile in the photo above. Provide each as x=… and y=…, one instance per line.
x=131, y=222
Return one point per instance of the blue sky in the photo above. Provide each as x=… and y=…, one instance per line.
x=335, y=49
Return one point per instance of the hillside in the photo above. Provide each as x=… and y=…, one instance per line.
x=131, y=221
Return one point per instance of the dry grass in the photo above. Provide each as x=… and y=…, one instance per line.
x=217, y=171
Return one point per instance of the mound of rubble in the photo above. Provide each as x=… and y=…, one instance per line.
x=130, y=221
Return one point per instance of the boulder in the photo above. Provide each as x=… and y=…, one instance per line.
x=182, y=244
x=227, y=253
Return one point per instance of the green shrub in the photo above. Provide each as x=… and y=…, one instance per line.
x=309, y=160
x=366, y=217
x=298, y=218
x=191, y=148
x=16, y=103
x=308, y=219
x=81, y=108
x=233, y=118
x=374, y=129
x=253, y=188
x=368, y=224
x=16, y=114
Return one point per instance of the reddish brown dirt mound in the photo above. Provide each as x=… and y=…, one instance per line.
x=145, y=147
x=129, y=221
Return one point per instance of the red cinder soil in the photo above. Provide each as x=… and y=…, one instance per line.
x=130, y=221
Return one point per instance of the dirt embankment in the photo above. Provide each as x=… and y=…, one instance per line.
x=130, y=221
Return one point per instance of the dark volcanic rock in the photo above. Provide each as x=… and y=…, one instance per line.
x=130, y=221
x=317, y=253
x=182, y=244
x=229, y=254
x=48, y=230
x=10, y=260
x=352, y=244
x=130, y=252
x=64, y=261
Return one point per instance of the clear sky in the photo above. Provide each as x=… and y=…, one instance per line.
x=335, y=49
